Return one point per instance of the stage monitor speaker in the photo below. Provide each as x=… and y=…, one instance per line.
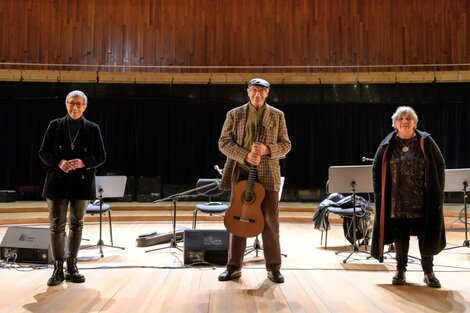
x=149, y=189
x=28, y=244
x=203, y=246
x=7, y=196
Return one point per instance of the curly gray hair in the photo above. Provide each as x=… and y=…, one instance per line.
x=407, y=111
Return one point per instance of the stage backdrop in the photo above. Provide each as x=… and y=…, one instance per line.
x=172, y=131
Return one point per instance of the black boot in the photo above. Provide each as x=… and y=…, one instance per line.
x=58, y=274
x=72, y=274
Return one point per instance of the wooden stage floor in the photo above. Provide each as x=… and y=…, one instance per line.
x=317, y=280
x=30, y=212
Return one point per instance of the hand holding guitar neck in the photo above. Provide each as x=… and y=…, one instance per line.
x=260, y=149
x=253, y=158
x=257, y=151
x=244, y=217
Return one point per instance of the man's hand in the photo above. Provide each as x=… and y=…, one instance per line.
x=253, y=158
x=260, y=149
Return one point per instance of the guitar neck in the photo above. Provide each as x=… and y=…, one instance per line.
x=251, y=183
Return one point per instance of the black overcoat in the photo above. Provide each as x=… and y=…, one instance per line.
x=89, y=147
x=434, y=239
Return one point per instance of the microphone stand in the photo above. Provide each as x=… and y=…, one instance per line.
x=256, y=247
x=174, y=198
x=354, y=247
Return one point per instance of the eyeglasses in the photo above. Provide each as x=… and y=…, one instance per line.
x=77, y=104
x=255, y=90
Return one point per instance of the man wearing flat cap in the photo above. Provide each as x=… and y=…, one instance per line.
x=253, y=138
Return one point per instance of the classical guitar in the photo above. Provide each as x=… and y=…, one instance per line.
x=244, y=217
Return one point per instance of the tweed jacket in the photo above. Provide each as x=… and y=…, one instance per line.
x=434, y=178
x=89, y=147
x=273, y=134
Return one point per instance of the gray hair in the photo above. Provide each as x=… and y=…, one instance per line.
x=407, y=111
x=77, y=93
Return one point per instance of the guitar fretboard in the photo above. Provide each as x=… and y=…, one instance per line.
x=250, y=183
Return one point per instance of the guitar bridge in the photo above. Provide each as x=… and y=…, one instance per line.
x=244, y=219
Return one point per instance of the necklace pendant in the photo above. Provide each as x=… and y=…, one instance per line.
x=72, y=142
x=405, y=149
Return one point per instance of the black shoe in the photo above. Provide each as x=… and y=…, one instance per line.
x=58, y=274
x=72, y=274
x=229, y=274
x=431, y=280
x=399, y=278
x=276, y=276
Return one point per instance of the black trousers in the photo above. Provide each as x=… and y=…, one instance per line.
x=58, y=220
x=402, y=230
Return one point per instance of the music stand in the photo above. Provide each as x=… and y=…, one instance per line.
x=351, y=179
x=457, y=180
x=174, y=198
x=108, y=187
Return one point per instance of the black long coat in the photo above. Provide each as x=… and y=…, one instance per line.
x=434, y=229
x=89, y=147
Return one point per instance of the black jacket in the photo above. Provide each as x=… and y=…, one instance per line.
x=434, y=229
x=89, y=147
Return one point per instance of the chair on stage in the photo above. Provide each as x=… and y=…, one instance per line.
x=106, y=187
x=210, y=207
x=350, y=179
x=94, y=208
x=338, y=204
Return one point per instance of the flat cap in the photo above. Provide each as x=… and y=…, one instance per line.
x=259, y=82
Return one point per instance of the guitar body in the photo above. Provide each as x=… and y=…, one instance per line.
x=245, y=218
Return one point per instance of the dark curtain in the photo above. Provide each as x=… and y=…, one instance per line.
x=172, y=130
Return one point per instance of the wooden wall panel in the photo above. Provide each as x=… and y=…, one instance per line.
x=294, y=33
